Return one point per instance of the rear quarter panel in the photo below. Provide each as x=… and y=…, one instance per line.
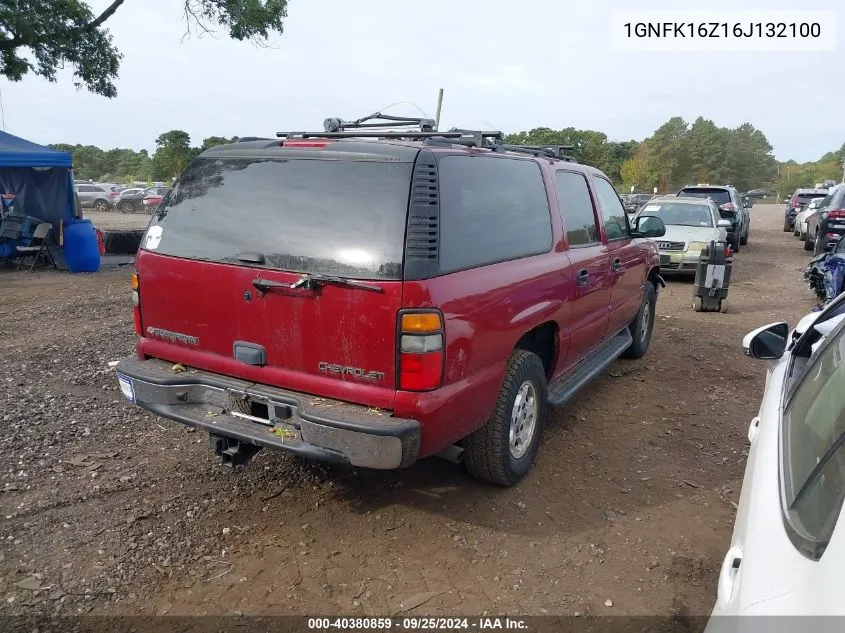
x=486, y=311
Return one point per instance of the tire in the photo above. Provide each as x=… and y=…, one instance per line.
x=697, y=304
x=744, y=239
x=642, y=326
x=808, y=243
x=802, y=237
x=101, y=205
x=723, y=306
x=127, y=206
x=787, y=227
x=817, y=246
x=488, y=453
x=796, y=232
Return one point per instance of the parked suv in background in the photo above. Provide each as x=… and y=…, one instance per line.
x=827, y=224
x=798, y=201
x=373, y=302
x=731, y=208
x=98, y=197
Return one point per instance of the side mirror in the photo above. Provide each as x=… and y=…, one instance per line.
x=648, y=226
x=786, y=200
x=724, y=224
x=768, y=342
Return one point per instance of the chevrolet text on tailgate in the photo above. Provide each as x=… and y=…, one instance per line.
x=372, y=297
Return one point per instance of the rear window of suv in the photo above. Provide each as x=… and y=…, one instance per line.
x=337, y=217
x=804, y=198
x=720, y=196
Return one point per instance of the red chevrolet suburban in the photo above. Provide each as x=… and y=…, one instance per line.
x=376, y=298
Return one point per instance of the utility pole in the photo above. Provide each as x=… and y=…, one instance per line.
x=843, y=170
x=439, y=106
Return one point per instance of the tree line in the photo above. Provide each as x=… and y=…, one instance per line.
x=676, y=154
x=173, y=152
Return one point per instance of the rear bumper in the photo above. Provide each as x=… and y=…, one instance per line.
x=316, y=428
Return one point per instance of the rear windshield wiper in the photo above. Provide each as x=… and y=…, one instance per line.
x=312, y=282
x=315, y=280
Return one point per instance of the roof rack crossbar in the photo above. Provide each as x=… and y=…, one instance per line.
x=369, y=134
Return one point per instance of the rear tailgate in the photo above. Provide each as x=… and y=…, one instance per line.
x=207, y=299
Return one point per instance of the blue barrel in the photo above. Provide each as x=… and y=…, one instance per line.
x=81, y=251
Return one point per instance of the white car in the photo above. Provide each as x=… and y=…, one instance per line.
x=803, y=215
x=787, y=551
x=691, y=224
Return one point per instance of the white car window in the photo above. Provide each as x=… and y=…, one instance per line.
x=813, y=434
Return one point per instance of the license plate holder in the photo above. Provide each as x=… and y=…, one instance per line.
x=127, y=388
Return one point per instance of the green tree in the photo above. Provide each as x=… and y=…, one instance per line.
x=638, y=171
x=173, y=153
x=42, y=37
x=213, y=141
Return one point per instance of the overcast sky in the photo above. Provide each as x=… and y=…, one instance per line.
x=511, y=65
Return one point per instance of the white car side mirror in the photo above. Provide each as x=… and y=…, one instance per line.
x=767, y=342
x=723, y=224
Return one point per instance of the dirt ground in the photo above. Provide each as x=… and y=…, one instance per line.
x=110, y=510
x=117, y=221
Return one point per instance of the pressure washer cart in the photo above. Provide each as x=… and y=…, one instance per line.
x=712, y=278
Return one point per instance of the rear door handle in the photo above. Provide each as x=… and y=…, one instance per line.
x=617, y=265
x=583, y=277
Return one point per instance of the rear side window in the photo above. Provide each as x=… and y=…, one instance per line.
x=491, y=210
x=576, y=205
x=720, y=196
x=340, y=217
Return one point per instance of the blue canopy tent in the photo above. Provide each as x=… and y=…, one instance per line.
x=41, y=180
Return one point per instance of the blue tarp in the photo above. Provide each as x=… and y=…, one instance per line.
x=18, y=152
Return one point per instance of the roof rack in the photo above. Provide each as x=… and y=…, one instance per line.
x=373, y=126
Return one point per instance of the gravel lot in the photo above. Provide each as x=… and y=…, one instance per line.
x=628, y=510
x=117, y=221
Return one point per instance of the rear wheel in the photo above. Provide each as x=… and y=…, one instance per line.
x=642, y=325
x=787, y=227
x=697, y=304
x=744, y=239
x=723, y=306
x=808, y=243
x=817, y=245
x=101, y=205
x=503, y=450
x=127, y=206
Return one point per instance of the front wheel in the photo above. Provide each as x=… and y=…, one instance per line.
x=643, y=324
x=503, y=450
x=101, y=205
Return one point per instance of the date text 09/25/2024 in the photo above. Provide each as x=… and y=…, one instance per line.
x=417, y=624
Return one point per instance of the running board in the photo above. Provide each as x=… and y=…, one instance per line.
x=562, y=390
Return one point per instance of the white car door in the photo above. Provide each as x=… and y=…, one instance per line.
x=787, y=551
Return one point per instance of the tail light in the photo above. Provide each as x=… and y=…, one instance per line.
x=114, y=194
x=136, y=303
x=728, y=206
x=794, y=203
x=836, y=213
x=420, y=351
